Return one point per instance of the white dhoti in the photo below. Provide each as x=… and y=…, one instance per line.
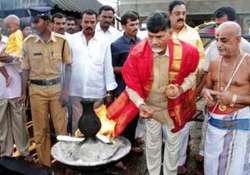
x=203, y=132
x=227, y=151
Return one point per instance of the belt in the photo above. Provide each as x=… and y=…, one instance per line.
x=46, y=82
x=237, y=124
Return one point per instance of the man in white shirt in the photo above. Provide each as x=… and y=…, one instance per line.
x=71, y=24
x=104, y=28
x=92, y=71
x=59, y=24
x=12, y=114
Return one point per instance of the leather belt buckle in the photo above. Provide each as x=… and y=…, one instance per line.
x=46, y=82
x=49, y=83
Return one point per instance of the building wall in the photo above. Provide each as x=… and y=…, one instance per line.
x=20, y=4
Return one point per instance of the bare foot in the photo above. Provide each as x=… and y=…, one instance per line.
x=8, y=81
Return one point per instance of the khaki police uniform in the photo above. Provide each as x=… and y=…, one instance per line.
x=44, y=61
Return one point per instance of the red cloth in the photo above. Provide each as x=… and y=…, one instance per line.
x=137, y=74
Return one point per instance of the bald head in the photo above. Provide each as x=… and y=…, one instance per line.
x=12, y=22
x=12, y=19
x=230, y=27
x=228, y=37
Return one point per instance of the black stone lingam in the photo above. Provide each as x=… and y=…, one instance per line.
x=89, y=124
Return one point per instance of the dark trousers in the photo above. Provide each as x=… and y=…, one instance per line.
x=70, y=113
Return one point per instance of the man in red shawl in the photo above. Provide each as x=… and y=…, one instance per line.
x=159, y=74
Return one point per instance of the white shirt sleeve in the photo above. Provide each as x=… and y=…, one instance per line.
x=245, y=45
x=210, y=53
x=189, y=81
x=108, y=71
x=135, y=97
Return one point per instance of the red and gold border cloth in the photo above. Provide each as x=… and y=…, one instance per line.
x=138, y=75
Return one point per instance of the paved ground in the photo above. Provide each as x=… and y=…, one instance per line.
x=136, y=165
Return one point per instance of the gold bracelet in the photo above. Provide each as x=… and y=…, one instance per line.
x=234, y=98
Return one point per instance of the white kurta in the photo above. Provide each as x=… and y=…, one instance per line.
x=110, y=35
x=92, y=71
x=14, y=89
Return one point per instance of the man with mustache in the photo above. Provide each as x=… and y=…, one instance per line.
x=105, y=27
x=177, y=13
x=157, y=74
x=71, y=24
x=120, y=50
x=43, y=56
x=92, y=73
x=59, y=23
x=228, y=99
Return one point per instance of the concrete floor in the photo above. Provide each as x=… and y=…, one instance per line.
x=136, y=164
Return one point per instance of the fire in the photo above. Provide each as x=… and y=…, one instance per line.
x=106, y=132
x=108, y=126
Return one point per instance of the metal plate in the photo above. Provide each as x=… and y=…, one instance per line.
x=90, y=153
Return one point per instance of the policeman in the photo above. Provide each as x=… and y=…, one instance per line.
x=43, y=56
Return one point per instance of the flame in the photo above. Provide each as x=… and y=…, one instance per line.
x=108, y=126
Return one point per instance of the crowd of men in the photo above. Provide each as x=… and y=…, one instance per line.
x=150, y=83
